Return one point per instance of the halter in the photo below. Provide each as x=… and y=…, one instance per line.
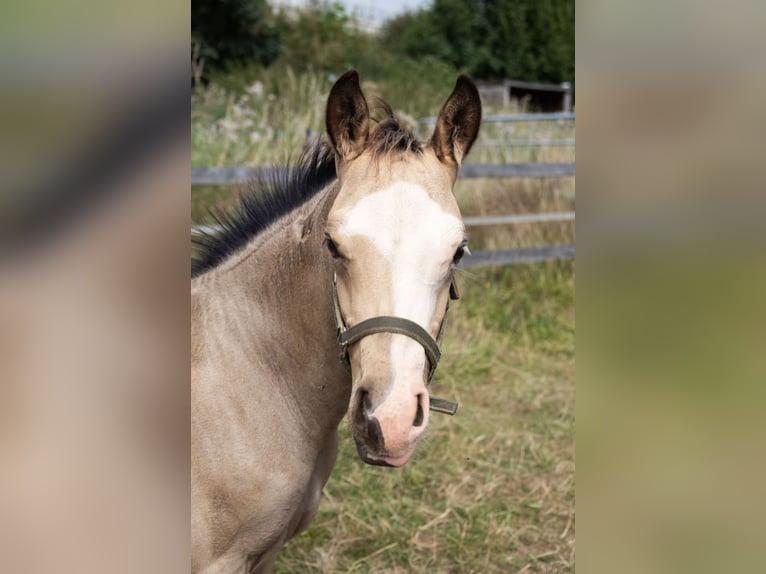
x=398, y=325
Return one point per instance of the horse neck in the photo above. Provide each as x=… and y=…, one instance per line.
x=277, y=296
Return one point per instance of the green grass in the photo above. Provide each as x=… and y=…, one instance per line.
x=492, y=488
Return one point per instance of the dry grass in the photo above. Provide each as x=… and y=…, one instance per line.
x=265, y=124
x=491, y=489
x=517, y=196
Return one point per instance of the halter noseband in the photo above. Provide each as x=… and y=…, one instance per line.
x=398, y=325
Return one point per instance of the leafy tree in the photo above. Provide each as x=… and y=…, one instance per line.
x=527, y=39
x=460, y=24
x=226, y=32
x=324, y=37
x=316, y=37
x=492, y=39
x=415, y=35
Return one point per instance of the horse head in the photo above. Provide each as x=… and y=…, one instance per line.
x=394, y=234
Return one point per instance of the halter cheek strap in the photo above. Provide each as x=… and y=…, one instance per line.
x=398, y=325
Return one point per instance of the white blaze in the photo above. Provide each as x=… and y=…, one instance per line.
x=417, y=238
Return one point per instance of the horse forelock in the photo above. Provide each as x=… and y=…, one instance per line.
x=390, y=136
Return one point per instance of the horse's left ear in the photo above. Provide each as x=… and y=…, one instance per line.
x=458, y=123
x=347, y=118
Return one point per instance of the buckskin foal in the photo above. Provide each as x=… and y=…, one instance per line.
x=358, y=243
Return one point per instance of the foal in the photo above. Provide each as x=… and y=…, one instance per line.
x=359, y=242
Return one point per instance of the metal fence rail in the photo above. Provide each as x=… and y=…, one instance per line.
x=243, y=175
x=521, y=218
x=520, y=255
x=506, y=140
x=506, y=118
x=497, y=170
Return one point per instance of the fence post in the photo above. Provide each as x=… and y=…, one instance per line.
x=567, y=103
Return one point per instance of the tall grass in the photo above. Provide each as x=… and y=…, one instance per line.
x=491, y=489
x=260, y=125
x=261, y=118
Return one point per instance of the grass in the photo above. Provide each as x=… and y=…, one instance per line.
x=492, y=488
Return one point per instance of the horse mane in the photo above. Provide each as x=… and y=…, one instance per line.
x=281, y=191
x=267, y=199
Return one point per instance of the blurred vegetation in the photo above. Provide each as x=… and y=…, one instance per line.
x=489, y=39
x=229, y=32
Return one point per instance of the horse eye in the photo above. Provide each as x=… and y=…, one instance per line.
x=331, y=247
x=462, y=250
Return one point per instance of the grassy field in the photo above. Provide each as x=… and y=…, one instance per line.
x=492, y=488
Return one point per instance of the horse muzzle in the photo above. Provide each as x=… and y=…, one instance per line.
x=389, y=434
x=397, y=325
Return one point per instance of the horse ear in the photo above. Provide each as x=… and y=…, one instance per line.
x=458, y=123
x=347, y=118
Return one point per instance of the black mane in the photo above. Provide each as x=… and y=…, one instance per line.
x=266, y=201
x=272, y=197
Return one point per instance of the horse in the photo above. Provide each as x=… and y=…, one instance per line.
x=324, y=292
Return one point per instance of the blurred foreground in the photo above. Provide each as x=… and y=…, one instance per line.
x=94, y=289
x=671, y=277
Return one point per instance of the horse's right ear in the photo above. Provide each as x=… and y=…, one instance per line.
x=347, y=118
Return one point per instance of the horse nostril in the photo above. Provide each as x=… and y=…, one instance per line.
x=418, y=414
x=365, y=424
x=375, y=434
x=361, y=407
